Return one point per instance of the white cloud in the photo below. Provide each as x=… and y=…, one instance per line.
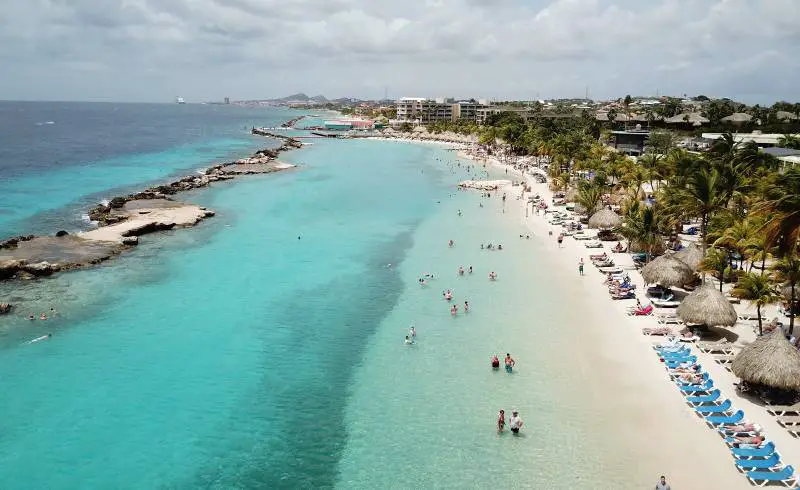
x=483, y=48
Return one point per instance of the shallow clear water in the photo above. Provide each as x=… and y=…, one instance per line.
x=237, y=355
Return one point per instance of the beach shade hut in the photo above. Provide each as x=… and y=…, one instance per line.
x=693, y=118
x=691, y=256
x=737, y=118
x=707, y=306
x=667, y=271
x=605, y=219
x=769, y=361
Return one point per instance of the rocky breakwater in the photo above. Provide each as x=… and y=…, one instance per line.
x=125, y=218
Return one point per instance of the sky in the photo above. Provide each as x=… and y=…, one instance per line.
x=204, y=50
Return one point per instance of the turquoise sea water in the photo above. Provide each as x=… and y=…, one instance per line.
x=237, y=355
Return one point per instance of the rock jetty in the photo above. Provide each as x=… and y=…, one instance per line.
x=124, y=218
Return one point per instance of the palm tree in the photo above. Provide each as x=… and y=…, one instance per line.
x=703, y=198
x=757, y=289
x=789, y=141
x=787, y=270
x=782, y=211
x=589, y=196
x=741, y=237
x=716, y=260
x=640, y=228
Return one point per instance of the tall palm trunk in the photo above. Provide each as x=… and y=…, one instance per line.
x=758, y=312
x=791, y=310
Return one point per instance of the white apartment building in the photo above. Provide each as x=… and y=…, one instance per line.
x=420, y=110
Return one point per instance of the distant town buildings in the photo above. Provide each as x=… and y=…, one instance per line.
x=227, y=100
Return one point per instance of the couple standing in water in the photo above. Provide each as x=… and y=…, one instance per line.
x=509, y=361
x=515, y=423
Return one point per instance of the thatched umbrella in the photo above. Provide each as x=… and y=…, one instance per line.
x=769, y=361
x=691, y=255
x=604, y=219
x=667, y=271
x=707, y=306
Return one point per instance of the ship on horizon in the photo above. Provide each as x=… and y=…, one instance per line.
x=179, y=100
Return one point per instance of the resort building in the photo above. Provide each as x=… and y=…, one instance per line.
x=418, y=110
x=630, y=142
x=764, y=140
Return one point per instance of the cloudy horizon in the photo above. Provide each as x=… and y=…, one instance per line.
x=205, y=50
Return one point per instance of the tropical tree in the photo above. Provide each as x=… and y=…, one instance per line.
x=716, y=261
x=589, y=196
x=702, y=197
x=640, y=227
x=781, y=208
x=742, y=237
x=759, y=290
x=787, y=271
x=789, y=141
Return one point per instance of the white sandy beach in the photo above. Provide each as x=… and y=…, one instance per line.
x=655, y=430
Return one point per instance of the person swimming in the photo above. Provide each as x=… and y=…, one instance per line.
x=466, y=306
x=495, y=362
x=451, y=243
x=43, y=317
x=470, y=269
x=492, y=276
x=409, y=341
x=454, y=310
x=460, y=270
x=39, y=339
x=448, y=295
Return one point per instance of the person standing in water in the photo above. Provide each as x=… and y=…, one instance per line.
x=495, y=362
x=509, y=362
x=501, y=420
x=515, y=424
x=413, y=332
x=470, y=269
x=466, y=306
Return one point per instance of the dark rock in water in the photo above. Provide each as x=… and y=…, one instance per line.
x=5, y=308
x=117, y=202
x=61, y=233
x=9, y=268
x=130, y=240
x=43, y=268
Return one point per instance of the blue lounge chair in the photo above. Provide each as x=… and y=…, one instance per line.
x=703, y=388
x=737, y=417
x=698, y=400
x=675, y=353
x=674, y=363
x=774, y=460
x=785, y=476
x=753, y=452
x=723, y=407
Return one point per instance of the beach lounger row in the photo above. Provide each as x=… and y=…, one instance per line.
x=760, y=463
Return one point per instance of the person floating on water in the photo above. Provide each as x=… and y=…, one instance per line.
x=43, y=317
x=31, y=317
x=459, y=212
x=509, y=362
x=451, y=243
x=39, y=339
x=492, y=276
x=448, y=295
x=515, y=424
x=409, y=341
x=501, y=420
x=495, y=362
x=422, y=282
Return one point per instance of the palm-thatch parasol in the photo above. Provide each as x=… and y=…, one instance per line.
x=604, y=219
x=769, y=361
x=707, y=306
x=667, y=271
x=691, y=256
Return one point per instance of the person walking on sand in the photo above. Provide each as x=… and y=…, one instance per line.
x=580, y=267
x=501, y=420
x=560, y=239
x=662, y=484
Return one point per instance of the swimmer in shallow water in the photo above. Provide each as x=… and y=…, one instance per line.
x=409, y=341
x=39, y=339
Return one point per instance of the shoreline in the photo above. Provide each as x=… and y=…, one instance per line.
x=123, y=219
x=659, y=431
